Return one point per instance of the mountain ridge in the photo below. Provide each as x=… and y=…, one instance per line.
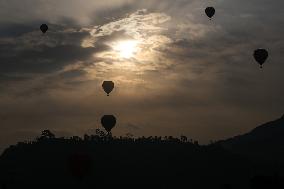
x=265, y=142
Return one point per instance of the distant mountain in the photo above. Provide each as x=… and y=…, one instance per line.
x=265, y=142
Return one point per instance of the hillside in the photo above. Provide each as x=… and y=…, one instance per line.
x=104, y=162
x=265, y=142
x=248, y=161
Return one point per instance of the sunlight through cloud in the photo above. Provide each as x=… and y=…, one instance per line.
x=126, y=49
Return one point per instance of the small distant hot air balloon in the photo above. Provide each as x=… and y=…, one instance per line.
x=108, y=122
x=210, y=11
x=260, y=55
x=44, y=28
x=108, y=86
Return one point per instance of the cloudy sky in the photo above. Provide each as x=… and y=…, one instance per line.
x=175, y=71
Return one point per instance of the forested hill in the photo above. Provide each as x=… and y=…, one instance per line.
x=104, y=161
x=265, y=142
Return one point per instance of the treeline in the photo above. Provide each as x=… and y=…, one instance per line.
x=104, y=161
x=102, y=137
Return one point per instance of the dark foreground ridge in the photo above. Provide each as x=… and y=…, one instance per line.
x=265, y=142
x=102, y=161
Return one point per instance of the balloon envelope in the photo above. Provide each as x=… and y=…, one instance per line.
x=260, y=55
x=44, y=28
x=210, y=11
x=108, y=122
x=108, y=86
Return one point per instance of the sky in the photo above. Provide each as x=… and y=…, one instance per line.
x=175, y=71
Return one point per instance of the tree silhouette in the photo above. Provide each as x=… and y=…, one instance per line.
x=47, y=134
x=95, y=160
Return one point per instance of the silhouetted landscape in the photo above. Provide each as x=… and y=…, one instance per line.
x=253, y=160
x=265, y=142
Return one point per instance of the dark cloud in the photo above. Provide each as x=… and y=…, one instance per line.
x=32, y=53
x=45, y=61
x=13, y=30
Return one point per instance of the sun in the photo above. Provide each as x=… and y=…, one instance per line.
x=126, y=49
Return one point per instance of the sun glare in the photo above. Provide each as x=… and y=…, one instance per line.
x=126, y=49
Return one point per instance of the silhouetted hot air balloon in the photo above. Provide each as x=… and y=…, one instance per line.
x=210, y=11
x=260, y=55
x=108, y=86
x=44, y=28
x=108, y=122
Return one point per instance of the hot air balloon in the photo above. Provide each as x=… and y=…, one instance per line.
x=210, y=11
x=260, y=55
x=108, y=86
x=108, y=122
x=44, y=28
